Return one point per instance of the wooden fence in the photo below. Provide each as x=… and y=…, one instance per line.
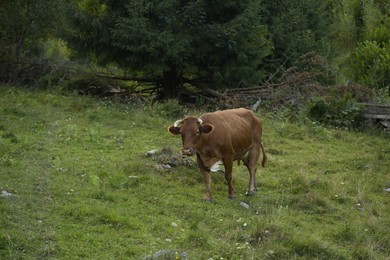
x=378, y=113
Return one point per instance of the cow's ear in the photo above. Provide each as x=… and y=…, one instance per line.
x=174, y=130
x=206, y=128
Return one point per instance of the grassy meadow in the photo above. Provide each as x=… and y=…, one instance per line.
x=76, y=184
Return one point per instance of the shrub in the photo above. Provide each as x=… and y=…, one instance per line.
x=372, y=64
x=338, y=112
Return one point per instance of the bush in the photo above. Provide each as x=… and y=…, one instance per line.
x=338, y=112
x=372, y=64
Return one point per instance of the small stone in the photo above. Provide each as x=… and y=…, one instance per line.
x=168, y=254
x=244, y=204
x=163, y=167
x=166, y=166
x=6, y=194
x=151, y=152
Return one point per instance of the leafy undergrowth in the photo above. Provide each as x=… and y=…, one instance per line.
x=76, y=183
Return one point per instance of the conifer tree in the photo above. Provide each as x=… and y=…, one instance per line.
x=218, y=43
x=297, y=27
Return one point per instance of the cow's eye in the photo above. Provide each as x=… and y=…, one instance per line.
x=197, y=132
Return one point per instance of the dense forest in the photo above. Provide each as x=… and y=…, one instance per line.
x=178, y=46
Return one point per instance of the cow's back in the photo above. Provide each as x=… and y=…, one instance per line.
x=238, y=128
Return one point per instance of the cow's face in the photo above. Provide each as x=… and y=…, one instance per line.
x=191, y=130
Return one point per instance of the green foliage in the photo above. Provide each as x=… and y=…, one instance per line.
x=360, y=34
x=56, y=49
x=372, y=64
x=28, y=43
x=214, y=44
x=297, y=27
x=344, y=112
x=344, y=27
x=370, y=48
x=219, y=42
x=25, y=25
x=338, y=112
x=371, y=58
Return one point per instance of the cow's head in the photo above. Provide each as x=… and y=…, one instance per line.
x=191, y=130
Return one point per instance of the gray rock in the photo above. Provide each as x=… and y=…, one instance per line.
x=6, y=194
x=167, y=254
x=244, y=204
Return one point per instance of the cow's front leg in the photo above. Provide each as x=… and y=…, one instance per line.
x=207, y=178
x=207, y=181
x=228, y=163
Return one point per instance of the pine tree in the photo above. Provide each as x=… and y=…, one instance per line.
x=297, y=27
x=218, y=43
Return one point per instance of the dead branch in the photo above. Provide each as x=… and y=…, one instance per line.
x=128, y=78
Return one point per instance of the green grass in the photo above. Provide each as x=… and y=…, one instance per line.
x=83, y=188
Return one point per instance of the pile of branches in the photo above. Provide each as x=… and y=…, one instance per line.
x=293, y=87
x=285, y=87
x=108, y=86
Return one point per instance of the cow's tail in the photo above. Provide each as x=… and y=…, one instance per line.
x=264, y=155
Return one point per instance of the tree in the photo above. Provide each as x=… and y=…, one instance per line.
x=371, y=58
x=361, y=31
x=297, y=27
x=217, y=43
x=23, y=27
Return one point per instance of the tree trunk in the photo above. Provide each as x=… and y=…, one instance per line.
x=171, y=83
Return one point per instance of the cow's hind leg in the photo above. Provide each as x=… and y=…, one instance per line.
x=251, y=164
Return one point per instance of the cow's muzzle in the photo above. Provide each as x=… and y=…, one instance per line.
x=188, y=151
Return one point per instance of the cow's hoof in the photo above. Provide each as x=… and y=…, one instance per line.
x=232, y=197
x=249, y=193
x=207, y=199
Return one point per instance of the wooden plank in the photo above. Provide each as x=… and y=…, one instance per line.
x=377, y=111
x=376, y=116
x=377, y=105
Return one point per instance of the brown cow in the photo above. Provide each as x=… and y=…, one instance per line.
x=228, y=135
